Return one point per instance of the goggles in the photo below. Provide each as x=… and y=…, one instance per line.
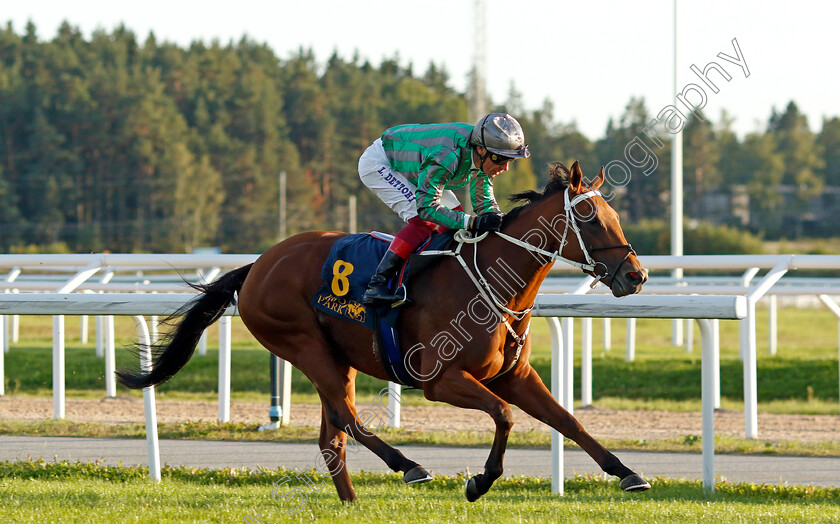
x=499, y=159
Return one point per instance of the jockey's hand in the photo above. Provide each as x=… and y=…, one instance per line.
x=486, y=222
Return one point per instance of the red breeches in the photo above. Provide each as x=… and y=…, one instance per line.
x=409, y=237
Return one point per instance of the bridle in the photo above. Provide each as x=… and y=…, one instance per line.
x=591, y=264
x=486, y=290
x=614, y=272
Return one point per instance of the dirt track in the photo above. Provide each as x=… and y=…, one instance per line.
x=601, y=423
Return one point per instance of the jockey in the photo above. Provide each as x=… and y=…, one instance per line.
x=413, y=168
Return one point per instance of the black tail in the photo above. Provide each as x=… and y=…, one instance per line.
x=175, y=350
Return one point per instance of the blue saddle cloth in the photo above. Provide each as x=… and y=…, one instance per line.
x=346, y=274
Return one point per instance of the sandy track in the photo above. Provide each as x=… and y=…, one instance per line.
x=601, y=423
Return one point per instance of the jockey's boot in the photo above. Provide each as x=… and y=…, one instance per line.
x=377, y=292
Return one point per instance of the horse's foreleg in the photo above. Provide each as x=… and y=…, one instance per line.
x=459, y=388
x=526, y=390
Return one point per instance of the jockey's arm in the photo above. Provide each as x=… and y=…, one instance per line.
x=431, y=182
x=482, y=195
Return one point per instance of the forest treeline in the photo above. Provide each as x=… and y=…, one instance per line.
x=113, y=143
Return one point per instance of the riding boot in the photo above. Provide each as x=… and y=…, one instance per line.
x=377, y=291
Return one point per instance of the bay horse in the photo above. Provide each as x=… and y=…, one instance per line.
x=469, y=339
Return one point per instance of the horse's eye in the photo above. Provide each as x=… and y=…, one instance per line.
x=593, y=221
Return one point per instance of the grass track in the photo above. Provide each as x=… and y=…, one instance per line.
x=62, y=492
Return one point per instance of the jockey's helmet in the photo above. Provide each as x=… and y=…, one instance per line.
x=500, y=133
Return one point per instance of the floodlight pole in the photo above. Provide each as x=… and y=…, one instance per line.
x=676, y=193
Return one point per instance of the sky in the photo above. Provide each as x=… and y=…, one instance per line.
x=587, y=58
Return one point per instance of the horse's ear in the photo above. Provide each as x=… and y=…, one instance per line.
x=599, y=179
x=576, y=177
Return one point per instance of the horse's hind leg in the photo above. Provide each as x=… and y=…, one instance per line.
x=333, y=443
x=342, y=414
x=336, y=386
x=460, y=389
x=525, y=389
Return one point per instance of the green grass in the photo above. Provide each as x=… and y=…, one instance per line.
x=63, y=492
x=802, y=378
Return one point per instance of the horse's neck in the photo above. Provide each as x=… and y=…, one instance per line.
x=524, y=271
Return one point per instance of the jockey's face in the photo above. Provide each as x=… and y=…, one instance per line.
x=491, y=166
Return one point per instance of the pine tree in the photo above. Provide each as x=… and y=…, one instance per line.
x=829, y=141
x=701, y=156
x=801, y=154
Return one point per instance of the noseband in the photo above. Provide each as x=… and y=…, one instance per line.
x=614, y=272
x=571, y=221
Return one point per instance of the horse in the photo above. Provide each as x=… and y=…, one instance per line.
x=468, y=339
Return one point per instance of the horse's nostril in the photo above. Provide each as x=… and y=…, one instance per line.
x=634, y=276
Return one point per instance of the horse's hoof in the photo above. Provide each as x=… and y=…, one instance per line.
x=472, y=490
x=634, y=483
x=417, y=475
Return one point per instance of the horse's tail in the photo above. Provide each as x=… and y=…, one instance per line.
x=176, y=348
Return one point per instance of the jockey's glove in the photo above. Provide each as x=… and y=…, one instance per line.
x=486, y=222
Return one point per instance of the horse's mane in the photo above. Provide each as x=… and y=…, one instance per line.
x=558, y=180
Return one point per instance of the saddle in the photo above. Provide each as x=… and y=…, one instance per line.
x=346, y=274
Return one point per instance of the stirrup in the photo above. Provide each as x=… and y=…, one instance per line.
x=383, y=296
x=401, y=301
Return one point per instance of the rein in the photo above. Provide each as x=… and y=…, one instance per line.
x=486, y=291
x=571, y=223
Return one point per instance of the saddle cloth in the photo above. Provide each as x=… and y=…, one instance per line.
x=347, y=270
x=346, y=274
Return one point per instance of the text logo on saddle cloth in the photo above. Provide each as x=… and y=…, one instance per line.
x=345, y=275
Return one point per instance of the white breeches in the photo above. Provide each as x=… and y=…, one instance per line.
x=392, y=187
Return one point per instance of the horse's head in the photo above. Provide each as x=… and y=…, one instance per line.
x=600, y=240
